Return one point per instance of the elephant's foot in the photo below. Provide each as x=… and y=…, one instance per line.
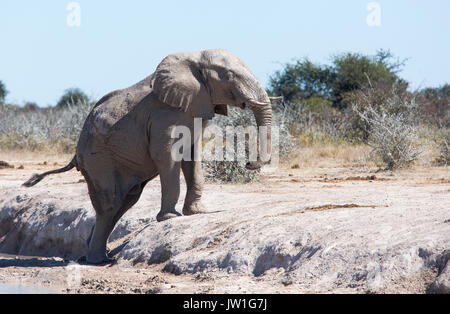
x=194, y=208
x=85, y=260
x=96, y=259
x=167, y=214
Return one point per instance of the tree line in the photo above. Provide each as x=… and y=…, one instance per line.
x=334, y=85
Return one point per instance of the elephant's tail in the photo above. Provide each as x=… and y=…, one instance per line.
x=36, y=178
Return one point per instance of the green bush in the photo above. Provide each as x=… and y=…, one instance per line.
x=435, y=105
x=72, y=97
x=354, y=71
x=302, y=80
x=3, y=92
x=349, y=72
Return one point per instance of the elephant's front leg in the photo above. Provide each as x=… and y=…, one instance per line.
x=169, y=172
x=193, y=175
x=161, y=144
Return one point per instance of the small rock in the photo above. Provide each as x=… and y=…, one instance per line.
x=153, y=290
x=286, y=282
x=4, y=164
x=21, y=198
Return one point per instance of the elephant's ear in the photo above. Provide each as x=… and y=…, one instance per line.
x=178, y=83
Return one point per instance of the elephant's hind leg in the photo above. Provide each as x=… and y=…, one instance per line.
x=132, y=197
x=107, y=199
x=97, y=246
x=106, y=219
x=104, y=224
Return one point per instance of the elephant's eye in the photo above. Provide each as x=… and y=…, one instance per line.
x=243, y=105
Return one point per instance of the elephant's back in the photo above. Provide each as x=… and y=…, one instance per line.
x=107, y=112
x=105, y=115
x=114, y=106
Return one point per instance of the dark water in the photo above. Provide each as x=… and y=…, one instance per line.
x=4, y=255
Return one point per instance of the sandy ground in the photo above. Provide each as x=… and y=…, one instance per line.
x=321, y=189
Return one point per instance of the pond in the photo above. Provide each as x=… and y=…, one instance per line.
x=19, y=289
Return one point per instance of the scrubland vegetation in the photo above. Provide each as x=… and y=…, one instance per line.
x=356, y=112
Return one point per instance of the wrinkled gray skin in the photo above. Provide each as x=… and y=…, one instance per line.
x=126, y=139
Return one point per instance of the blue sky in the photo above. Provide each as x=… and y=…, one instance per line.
x=120, y=42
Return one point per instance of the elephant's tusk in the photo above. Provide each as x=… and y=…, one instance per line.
x=257, y=103
x=273, y=99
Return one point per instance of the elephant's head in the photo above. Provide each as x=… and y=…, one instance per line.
x=204, y=83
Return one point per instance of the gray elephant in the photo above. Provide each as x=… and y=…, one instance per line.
x=126, y=140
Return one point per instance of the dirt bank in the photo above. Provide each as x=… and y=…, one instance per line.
x=297, y=230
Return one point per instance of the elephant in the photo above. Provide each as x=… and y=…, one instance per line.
x=126, y=139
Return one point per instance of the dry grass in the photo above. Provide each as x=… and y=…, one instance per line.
x=43, y=128
x=347, y=155
x=316, y=155
x=23, y=157
x=331, y=155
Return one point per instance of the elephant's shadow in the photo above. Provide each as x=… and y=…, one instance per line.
x=23, y=261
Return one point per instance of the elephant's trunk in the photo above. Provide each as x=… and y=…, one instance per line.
x=263, y=117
